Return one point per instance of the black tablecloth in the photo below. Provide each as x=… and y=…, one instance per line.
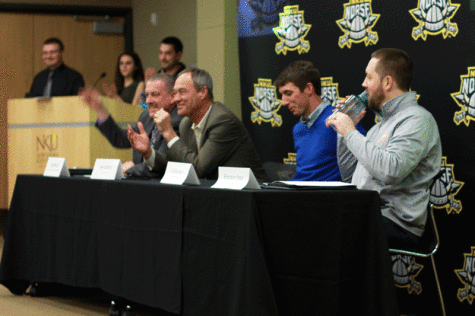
x=203, y=251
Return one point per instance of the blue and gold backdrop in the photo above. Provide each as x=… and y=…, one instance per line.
x=338, y=36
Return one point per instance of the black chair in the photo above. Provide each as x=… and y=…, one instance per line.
x=427, y=248
x=279, y=171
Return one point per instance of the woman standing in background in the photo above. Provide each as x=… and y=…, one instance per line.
x=129, y=79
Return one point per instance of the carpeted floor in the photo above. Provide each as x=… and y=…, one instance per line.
x=82, y=303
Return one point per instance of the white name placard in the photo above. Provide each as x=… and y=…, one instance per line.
x=180, y=173
x=107, y=169
x=236, y=178
x=56, y=167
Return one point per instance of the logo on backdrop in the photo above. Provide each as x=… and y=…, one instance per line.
x=467, y=277
x=291, y=159
x=292, y=31
x=445, y=188
x=267, y=12
x=46, y=145
x=357, y=24
x=465, y=98
x=265, y=103
x=405, y=270
x=330, y=91
x=434, y=18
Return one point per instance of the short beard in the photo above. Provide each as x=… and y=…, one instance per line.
x=171, y=66
x=376, y=100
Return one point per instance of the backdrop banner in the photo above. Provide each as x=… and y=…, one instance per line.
x=339, y=36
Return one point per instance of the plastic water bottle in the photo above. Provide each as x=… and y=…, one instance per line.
x=354, y=105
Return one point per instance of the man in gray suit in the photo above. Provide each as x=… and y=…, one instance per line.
x=210, y=134
x=159, y=96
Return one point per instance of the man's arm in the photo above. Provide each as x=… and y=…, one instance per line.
x=346, y=160
x=77, y=84
x=116, y=136
x=222, y=137
x=402, y=152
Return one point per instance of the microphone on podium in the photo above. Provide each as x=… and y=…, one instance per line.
x=100, y=77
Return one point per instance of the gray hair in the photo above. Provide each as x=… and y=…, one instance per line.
x=201, y=78
x=166, y=78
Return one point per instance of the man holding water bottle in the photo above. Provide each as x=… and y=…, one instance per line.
x=401, y=155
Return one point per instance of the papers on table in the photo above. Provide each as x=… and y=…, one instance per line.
x=329, y=185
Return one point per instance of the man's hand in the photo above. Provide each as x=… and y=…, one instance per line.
x=127, y=165
x=164, y=124
x=149, y=72
x=140, y=141
x=342, y=122
x=92, y=99
x=110, y=90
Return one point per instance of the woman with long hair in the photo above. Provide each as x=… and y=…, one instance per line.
x=129, y=79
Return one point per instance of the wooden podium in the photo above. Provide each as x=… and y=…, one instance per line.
x=60, y=127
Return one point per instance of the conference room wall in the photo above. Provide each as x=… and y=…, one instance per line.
x=22, y=36
x=172, y=19
x=208, y=30
x=94, y=3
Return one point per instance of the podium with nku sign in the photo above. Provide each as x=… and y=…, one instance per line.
x=60, y=127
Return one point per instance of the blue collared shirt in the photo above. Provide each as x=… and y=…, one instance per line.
x=314, y=115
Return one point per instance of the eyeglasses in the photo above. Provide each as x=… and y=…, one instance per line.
x=51, y=52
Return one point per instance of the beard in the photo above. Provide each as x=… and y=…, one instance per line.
x=375, y=100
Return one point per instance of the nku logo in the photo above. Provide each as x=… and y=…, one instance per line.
x=467, y=277
x=465, y=98
x=357, y=23
x=291, y=31
x=434, y=17
x=265, y=103
x=330, y=91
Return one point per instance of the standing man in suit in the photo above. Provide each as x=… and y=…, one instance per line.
x=210, y=134
x=57, y=79
x=159, y=96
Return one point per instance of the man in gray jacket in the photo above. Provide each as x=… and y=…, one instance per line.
x=210, y=134
x=400, y=156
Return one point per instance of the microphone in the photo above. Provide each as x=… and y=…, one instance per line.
x=100, y=77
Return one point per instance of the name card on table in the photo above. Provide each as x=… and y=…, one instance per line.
x=236, y=178
x=107, y=169
x=56, y=167
x=180, y=173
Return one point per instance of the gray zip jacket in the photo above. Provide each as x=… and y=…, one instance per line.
x=399, y=157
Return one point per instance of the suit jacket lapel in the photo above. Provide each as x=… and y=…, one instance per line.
x=209, y=120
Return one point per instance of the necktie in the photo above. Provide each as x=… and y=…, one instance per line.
x=49, y=83
x=153, y=139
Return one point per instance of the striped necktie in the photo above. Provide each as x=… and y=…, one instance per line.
x=49, y=83
x=153, y=139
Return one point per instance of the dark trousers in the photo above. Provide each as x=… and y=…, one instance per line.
x=398, y=237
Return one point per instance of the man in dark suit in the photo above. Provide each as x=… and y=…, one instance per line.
x=159, y=96
x=57, y=79
x=210, y=134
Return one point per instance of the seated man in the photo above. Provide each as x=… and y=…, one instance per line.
x=401, y=154
x=159, y=96
x=210, y=134
x=315, y=144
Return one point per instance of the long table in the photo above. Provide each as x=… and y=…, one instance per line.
x=194, y=250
